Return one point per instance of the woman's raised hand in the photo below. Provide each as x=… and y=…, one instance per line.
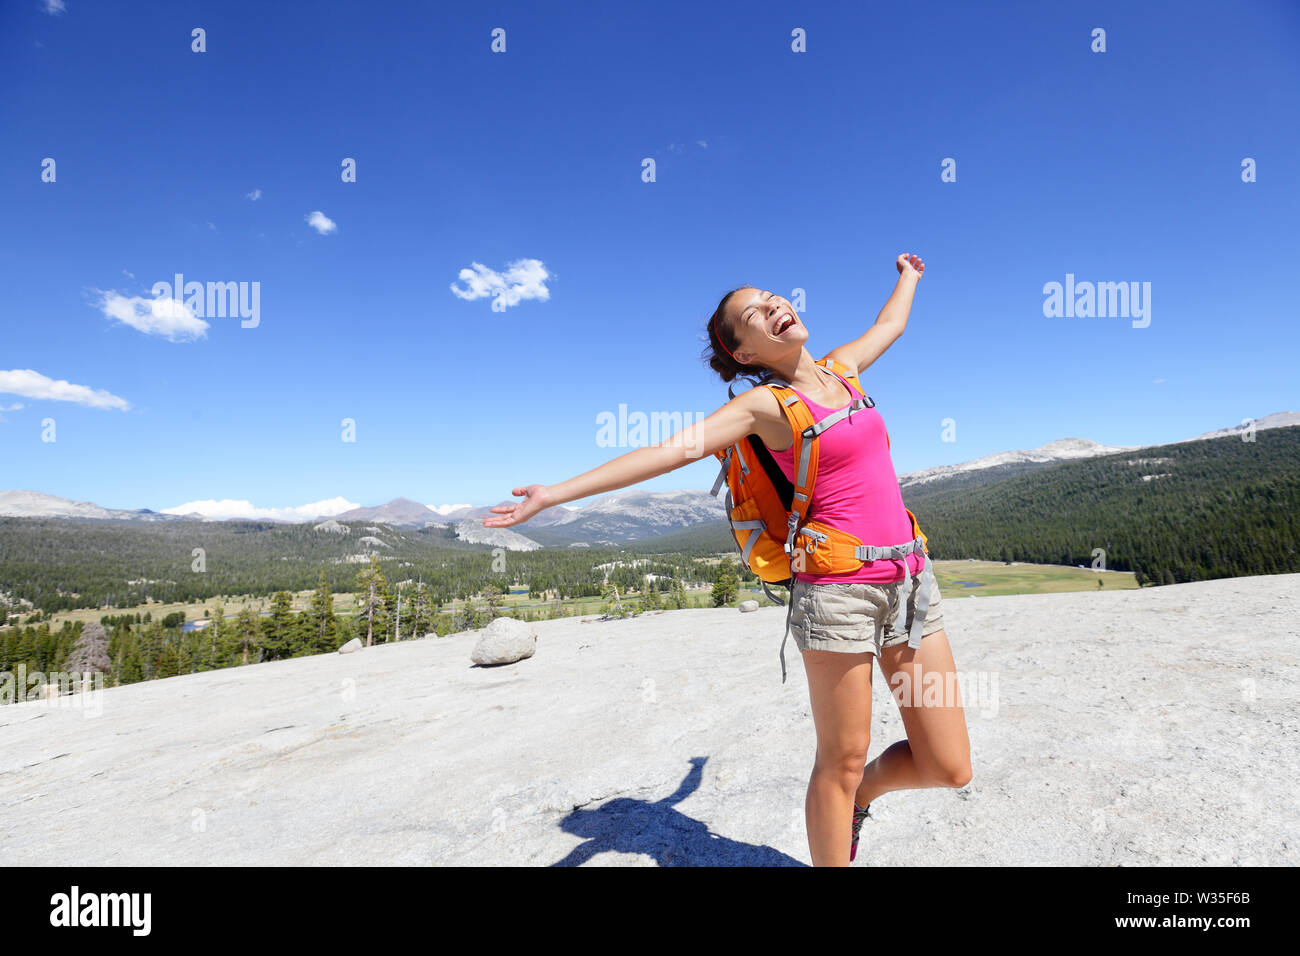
x=535, y=499
x=909, y=264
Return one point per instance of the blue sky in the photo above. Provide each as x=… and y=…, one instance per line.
x=789, y=170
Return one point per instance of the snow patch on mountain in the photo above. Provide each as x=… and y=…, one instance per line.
x=1063, y=449
x=1276, y=420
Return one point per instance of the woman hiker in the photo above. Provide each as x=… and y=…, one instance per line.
x=840, y=622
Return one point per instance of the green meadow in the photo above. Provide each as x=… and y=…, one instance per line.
x=987, y=578
x=956, y=578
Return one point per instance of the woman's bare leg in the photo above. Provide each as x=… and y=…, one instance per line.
x=936, y=752
x=839, y=687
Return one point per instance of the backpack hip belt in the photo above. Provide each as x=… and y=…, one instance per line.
x=924, y=590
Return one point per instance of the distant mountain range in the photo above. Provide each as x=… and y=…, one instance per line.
x=1061, y=450
x=35, y=504
x=624, y=516
x=405, y=513
x=1065, y=449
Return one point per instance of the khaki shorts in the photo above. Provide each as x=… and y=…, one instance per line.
x=856, y=616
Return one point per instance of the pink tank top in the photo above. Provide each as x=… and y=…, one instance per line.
x=856, y=490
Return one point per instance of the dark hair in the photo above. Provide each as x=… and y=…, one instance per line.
x=723, y=341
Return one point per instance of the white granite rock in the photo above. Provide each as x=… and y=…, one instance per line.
x=504, y=641
x=1152, y=727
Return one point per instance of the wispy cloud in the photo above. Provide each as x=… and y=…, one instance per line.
x=523, y=279
x=255, y=195
x=32, y=384
x=54, y=7
x=231, y=508
x=1159, y=381
x=163, y=316
x=445, y=509
x=320, y=222
x=679, y=148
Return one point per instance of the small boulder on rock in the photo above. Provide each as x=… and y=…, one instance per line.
x=504, y=641
x=350, y=646
x=748, y=606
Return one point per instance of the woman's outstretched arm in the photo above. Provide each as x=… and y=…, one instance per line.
x=730, y=423
x=891, y=321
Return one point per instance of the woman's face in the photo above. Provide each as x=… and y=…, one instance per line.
x=765, y=325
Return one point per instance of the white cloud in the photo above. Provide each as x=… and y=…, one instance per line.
x=523, y=279
x=11, y=408
x=678, y=148
x=255, y=195
x=230, y=508
x=445, y=509
x=55, y=7
x=161, y=316
x=32, y=384
x=320, y=222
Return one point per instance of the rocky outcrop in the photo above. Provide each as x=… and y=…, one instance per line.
x=504, y=641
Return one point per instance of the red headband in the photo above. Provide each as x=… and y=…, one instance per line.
x=714, y=327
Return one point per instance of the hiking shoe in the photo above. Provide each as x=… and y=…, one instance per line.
x=859, y=814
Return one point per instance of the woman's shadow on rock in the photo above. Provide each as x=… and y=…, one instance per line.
x=658, y=830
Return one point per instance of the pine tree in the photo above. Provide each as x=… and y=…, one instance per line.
x=247, y=632
x=373, y=616
x=131, y=668
x=470, y=617
x=421, y=611
x=615, y=606
x=725, y=585
x=397, y=614
x=216, y=636
x=678, y=593
x=167, y=661
x=278, y=629
x=320, y=628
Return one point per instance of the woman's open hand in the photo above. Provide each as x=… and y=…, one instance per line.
x=910, y=265
x=535, y=497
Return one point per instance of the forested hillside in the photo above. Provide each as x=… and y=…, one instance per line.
x=60, y=564
x=1205, y=509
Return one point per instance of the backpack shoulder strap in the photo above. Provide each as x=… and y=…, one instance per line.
x=803, y=436
x=849, y=374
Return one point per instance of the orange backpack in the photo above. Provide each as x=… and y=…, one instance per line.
x=768, y=512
